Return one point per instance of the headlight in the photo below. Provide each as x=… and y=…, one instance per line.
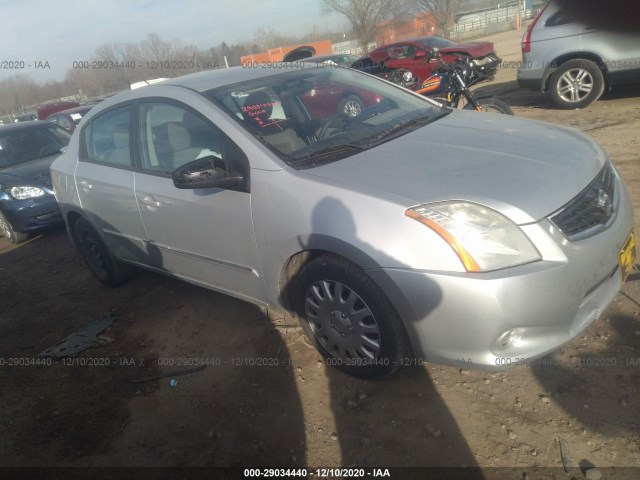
x=21, y=193
x=482, y=238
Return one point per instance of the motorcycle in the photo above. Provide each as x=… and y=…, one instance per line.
x=451, y=83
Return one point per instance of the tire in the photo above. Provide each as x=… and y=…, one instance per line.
x=576, y=84
x=491, y=105
x=7, y=230
x=335, y=301
x=97, y=256
x=351, y=106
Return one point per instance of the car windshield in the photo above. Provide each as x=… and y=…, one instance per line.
x=314, y=116
x=21, y=145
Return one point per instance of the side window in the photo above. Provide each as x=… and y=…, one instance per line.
x=408, y=51
x=559, y=18
x=172, y=136
x=106, y=138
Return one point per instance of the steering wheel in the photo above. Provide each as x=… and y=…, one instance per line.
x=44, y=149
x=338, y=116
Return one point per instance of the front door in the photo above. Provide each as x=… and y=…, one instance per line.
x=204, y=235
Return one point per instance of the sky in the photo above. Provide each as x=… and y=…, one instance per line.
x=60, y=32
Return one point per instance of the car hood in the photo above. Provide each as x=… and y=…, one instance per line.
x=36, y=172
x=521, y=168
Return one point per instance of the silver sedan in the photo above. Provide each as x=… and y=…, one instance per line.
x=407, y=233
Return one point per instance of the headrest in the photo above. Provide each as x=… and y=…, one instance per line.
x=120, y=135
x=178, y=137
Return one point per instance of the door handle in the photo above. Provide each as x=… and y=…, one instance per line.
x=85, y=185
x=149, y=201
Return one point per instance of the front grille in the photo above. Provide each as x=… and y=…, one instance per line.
x=592, y=210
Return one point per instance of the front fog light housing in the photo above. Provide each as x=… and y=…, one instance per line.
x=482, y=238
x=24, y=192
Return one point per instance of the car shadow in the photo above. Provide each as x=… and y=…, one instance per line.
x=396, y=421
x=515, y=96
x=597, y=383
x=242, y=409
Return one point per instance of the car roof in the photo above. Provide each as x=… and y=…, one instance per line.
x=210, y=79
x=203, y=81
x=25, y=125
x=83, y=108
x=319, y=58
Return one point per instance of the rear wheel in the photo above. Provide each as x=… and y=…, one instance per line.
x=576, y=84
x=97, y=256
x=351, y=106
x=492, y=105
x=349, y=319
x=7, y=231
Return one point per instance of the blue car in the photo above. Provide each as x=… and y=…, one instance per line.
x=27, y=204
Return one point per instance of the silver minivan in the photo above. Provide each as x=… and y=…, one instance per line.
x=574, y=62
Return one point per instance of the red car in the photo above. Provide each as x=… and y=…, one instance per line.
x=68, y=119
x=416, y=55
x=328, y=97
x=43, y=111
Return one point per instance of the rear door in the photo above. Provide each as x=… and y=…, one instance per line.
x=620, y=52
x=203, y=235
x=104, y=179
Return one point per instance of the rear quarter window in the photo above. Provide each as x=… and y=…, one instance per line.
x=561, y=17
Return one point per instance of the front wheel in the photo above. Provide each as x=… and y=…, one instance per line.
x=7, y=230
x=492, y=105
x=351, y=106
x=349, y=319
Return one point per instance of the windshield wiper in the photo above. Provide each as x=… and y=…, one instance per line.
x=329, y=154
x=399, y=130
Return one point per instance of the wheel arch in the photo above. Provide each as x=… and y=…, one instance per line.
x=564, y=58
x=315, y=245
x=71, y=217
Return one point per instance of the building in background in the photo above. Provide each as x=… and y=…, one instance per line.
x=290, y=53
x=422, y=24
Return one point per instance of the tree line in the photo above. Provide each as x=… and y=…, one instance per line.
x=115, y=66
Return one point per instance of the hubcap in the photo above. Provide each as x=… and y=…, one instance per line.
x=575, y=84
x=341, y=321
x=4, y=227
x=352, y=108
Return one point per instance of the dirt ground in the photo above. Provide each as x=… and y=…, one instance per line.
x=266, y=398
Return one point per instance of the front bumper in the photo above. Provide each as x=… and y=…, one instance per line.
x=508, y=317
x=31, y=214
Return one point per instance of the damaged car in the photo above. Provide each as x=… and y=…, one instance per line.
x=418, y=57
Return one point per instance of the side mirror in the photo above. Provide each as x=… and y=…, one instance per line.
x=206, y=172
x=420, y=54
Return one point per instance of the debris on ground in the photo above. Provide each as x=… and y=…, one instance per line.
x=169, y=374
x=83, y=339
x=564, y=454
